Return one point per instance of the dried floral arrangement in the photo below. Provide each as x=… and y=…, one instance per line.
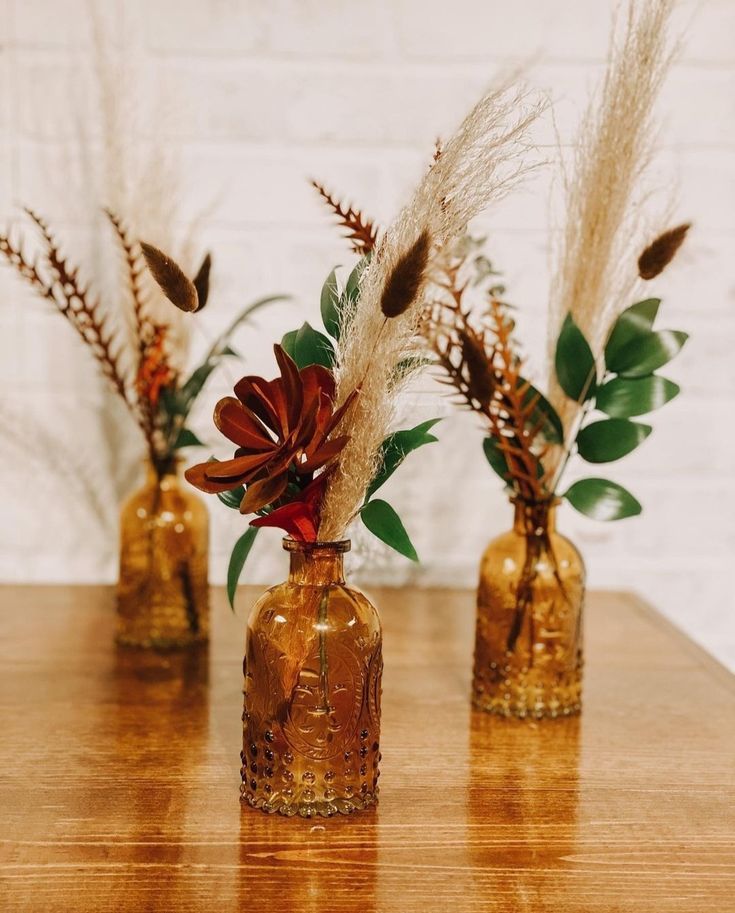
x=604, y=358
x=315, y=444
x=129, y=345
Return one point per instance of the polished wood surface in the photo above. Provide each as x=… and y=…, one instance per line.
x=119, y=776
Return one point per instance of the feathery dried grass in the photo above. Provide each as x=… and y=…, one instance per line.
x=595, y=273
x=482, y=161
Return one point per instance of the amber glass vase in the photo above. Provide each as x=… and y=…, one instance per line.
x=313, y=666
x=528, y=643
x=163, y=593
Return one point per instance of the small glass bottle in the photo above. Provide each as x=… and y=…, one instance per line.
x=313, y=667
x=163, y=590
x=528, y=643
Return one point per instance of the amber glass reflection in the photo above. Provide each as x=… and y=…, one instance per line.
x=313, y=665
x=528, y=644
x=162, y=594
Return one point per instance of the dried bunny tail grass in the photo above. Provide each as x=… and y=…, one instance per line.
x=479, y=165
x=595, y=272
x=659, y=253
x=406, y=279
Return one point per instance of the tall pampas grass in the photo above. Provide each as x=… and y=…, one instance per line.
x=485, y=158
x=596, y=273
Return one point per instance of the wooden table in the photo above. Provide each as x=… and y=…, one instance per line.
x=119, y=786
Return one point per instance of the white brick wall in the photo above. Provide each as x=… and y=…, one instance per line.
x=263, y=95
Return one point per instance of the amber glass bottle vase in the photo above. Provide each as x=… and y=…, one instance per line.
x=313, y=665
x=163, y=594
x=528, y=643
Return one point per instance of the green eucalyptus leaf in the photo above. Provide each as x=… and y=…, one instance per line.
x=232, y=497
x=648, y=353
x=382, y=521
x=309, y=347
x=330, y=305
x=623, y=397
x=397, y=446
x=237, y=561
x=574, y=362
x=187, y=438
x=601, y=499
x=610, y=439
x=552, y=427
x=634, y=322
x=496, y=458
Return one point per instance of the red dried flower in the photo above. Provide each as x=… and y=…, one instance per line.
x=282, y=431
x=154, y=371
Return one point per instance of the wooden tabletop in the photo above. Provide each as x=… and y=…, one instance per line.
x=119, y=776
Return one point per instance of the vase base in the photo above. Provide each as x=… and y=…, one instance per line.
x=317, y=809
x=161, y=643
x=499, y=708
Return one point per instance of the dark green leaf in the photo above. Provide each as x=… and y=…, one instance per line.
x=228, y=350
x=624, y=397
x=193, y=386
x=383, y=522
x=395, y=449
x=633, y=323
x=330, y=305
x=544, y=411
x=601, y=499
x=187, y=438
x=237, y=561
x=646, y=354
x=233, y=497
x=610, y=439
x=574, y=362
x=310, y=347
x=288, y=343
x=496, y=458
x=352, y=288
x=171, y=401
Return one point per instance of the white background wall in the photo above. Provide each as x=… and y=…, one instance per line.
x=261, y=95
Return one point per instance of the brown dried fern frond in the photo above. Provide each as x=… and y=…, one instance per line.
x=361, y=231
x=659, y=253
x=59, y=283
x=135, y=269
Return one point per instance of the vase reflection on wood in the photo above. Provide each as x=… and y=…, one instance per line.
x=528, y=645
x=313, y=667
x=163, y=592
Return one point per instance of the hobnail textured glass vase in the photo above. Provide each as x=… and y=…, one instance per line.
x=528, y=643
x=163, y=592
x=313, y=667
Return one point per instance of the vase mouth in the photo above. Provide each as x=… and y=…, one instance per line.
x=546, y=500
x=340, y=546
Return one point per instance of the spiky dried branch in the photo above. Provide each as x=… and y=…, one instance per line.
x=361, y=231
x=59, y=283
x=482, y=364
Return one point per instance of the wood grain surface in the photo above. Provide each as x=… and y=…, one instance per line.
x=119, y=776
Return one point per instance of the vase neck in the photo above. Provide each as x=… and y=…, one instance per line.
x=316, y=563
x=534, y=518
x=157, y=472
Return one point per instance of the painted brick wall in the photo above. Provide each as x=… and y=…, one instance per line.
x=262, y=95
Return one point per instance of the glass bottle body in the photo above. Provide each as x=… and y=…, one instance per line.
x=313, y=667
x=530, y=599
x=163, y=590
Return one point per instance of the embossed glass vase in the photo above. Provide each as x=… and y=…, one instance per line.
x=313, y=666
x=528, y=643
x=163, y=592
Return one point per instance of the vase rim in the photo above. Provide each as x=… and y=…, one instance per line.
x=339, y=545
